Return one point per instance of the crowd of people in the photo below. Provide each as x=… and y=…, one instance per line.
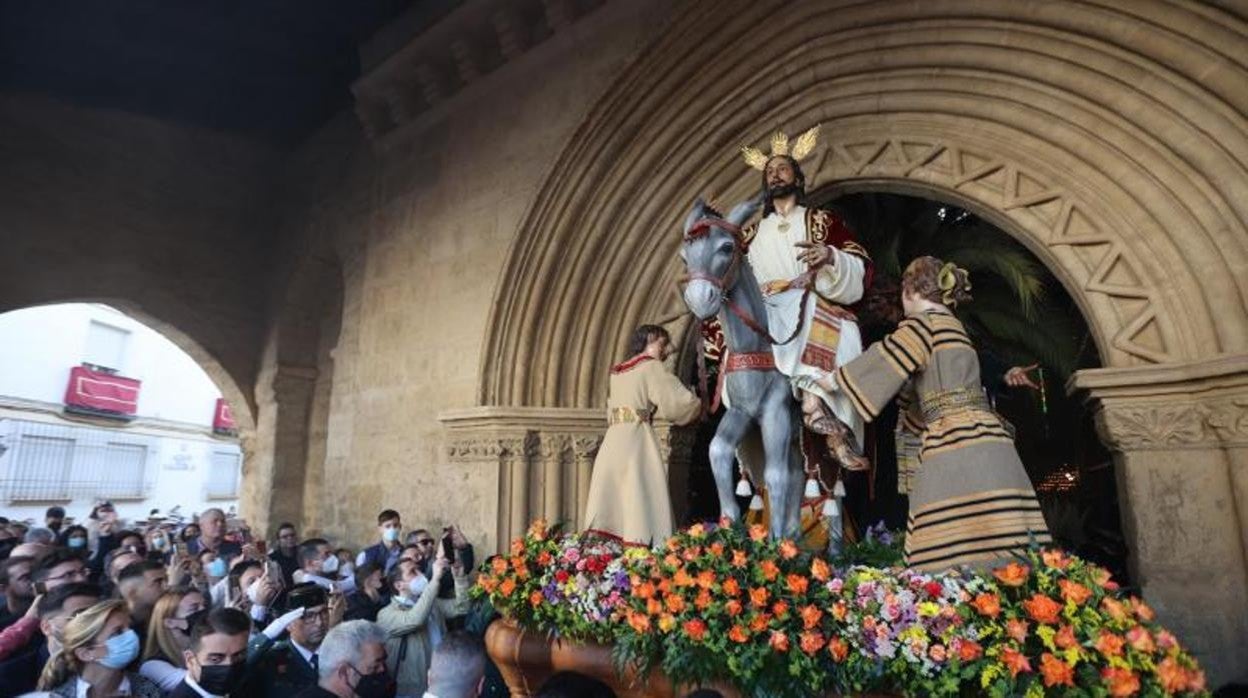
x=160, y=608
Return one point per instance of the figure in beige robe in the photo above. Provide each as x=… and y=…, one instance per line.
x=628, y=495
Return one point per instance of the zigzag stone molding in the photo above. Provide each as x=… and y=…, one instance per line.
x=1024, y=196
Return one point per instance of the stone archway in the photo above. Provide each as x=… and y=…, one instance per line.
x=1107, y=137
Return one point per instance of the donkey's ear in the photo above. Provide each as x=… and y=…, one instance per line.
x=695, y=214
x=743, y=211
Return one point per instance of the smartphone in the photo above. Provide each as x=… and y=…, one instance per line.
x=41, y=588
x=262, y=546
x=448, y=549
x=274, y=572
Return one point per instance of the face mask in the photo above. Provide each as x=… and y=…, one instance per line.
x=330, y=565
x=122, y=649
x=216, y=568
x=390, y=534
x=221, y=679
x=192, y=619
x=77, y=542
x=252, y=590
x=159, y=543
x=417, y=585
x=347, y=569
x=378, y=685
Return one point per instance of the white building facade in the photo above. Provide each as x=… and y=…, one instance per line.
x=156, y=449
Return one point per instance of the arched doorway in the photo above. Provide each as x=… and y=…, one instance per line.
x=1117, y=166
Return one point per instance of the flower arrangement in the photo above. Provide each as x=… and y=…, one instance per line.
x=719, y=602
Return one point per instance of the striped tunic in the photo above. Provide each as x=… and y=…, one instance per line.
x=971, y=502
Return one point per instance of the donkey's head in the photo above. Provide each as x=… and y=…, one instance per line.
x=712, y=251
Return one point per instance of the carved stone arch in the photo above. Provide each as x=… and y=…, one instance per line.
x=1028, y=115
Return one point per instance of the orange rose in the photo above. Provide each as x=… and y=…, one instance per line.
x=810, y=616
x=788, y=550
x=733, y=608
x=969, y=651
x=499, y=565
x=820, y=570
x=1142, y=610
x=1056, y=559
x=675, y=603
x=987, y=604
x=1074, y=591
x=1109, y=644
x=703, y=600
x=683, y=578
x=488, y=584
x=738, y=634
x=673, y=545
x=653, y=606
x=1114, y=608
x=739, y=559
x=1172, y=675
x=780, y=609
x=1140, y=639
x=1055, y=671
x=1104, y=579
x=1015, y=661
x=644, y=590
x=697, y=530
x=706, y=579
x=779, y=641
x=1121, y=682
x=717, y=549
x=758, y=597
x=839, y=610
x=758, y=532
x=1042, y=609
x=639, y=622
x=537, y=529
x=839, y=649
x=811, y=641
x=1017, y=629
x=1013, y=574
x=517, y=547
x=797, y=583
x=545, y=558
x=1196, y=681
x=535, y=598
x=671, y=560
x=695, y=629
x=1065, y=637
x=759, y=622
x=769, y=569
x=665, y=586
x=507, y=587
x=731, y=587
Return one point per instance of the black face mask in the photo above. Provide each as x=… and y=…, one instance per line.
x=379, y=685
x=221, y=679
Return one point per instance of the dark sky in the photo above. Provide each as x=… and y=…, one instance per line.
x=272, y=69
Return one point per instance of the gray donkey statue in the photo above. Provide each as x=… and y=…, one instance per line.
x=720, y=282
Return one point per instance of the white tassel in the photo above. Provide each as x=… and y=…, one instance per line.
x=830, y=508
x=756, y=504
x=812, y=488
x=838, y=490
x=743, y=488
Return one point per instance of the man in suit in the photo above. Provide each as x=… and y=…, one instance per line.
x=217, y=658
x=286, y=667
x=353, y=663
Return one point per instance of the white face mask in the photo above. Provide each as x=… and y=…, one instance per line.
x=330, y=565
x=417, y=585
x=347, y=569
x=252, y=590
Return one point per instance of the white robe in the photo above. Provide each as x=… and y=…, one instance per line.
x=773, y=257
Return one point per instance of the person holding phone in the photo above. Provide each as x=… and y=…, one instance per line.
x=386, y=552
x=415, y=621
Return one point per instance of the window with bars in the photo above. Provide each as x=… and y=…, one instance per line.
x=48, y=462
x=223, y=475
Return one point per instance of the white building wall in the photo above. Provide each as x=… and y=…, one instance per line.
x=38, y=346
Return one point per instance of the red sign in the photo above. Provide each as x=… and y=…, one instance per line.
x=223, y=418
x=102, y=391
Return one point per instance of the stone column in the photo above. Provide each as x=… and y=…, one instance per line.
x=496, y=464
x=584, y=449
x=1179, y=433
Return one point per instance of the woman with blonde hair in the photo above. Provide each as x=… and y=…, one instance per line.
x=971, y=501
x=98, y=647
x=169, y=634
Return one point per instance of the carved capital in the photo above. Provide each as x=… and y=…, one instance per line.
x=1160, y=426
x=476, y=447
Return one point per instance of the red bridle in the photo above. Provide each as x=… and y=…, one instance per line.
x=702, y=228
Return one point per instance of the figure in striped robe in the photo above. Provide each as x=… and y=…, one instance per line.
x=971, y=501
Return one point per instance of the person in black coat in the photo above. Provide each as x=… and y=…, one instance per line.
x=217, y=658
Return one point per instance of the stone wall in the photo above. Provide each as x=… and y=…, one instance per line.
x=421, y=225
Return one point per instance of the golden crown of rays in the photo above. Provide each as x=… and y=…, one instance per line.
x=803, y=146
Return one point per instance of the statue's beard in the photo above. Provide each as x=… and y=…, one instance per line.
x=779, y=191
